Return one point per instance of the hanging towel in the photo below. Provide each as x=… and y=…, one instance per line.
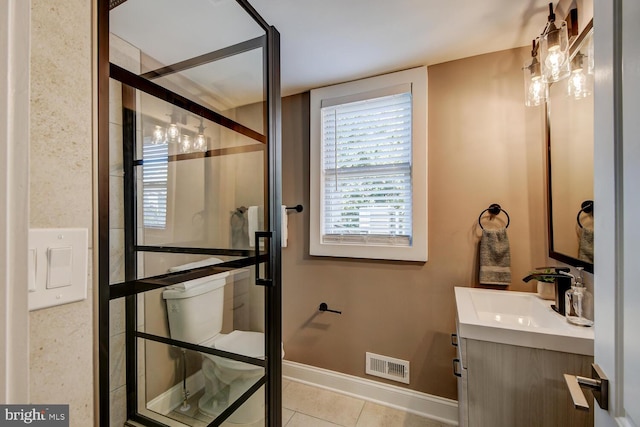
x=495, y=258
x=195, y=282
x=284, y=232
x=585, y=245
x=239, y=229
x=255, y=220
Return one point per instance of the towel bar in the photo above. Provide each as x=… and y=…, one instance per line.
x=297, y=208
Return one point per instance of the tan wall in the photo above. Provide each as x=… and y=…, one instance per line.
x=485, y=146
x=61, y=338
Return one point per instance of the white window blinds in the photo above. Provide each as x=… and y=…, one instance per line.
x=154, y=184
x=366, y=170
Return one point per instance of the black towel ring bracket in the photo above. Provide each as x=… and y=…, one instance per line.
x=494, y=209
x=586, y=207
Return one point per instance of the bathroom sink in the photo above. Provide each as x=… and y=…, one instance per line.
x=518, y=318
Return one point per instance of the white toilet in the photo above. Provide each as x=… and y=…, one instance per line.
x=195, y=315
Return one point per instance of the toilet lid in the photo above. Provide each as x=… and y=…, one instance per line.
x=250, y=344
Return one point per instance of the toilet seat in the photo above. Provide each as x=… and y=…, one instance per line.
x=250, y=344
x=244, y=343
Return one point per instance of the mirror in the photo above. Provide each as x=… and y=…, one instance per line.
x=570, y=158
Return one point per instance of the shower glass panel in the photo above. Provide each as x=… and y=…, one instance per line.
x=209, y=51
x=197, y=186
x=193, y=119
x=200, y=391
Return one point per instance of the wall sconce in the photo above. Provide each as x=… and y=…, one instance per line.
x=158, y=136
x=185, y=144
x=173, y=131
x=535, y=89
x=551, y=62
x=554, y=44
x=200, y=143
x=186, y=141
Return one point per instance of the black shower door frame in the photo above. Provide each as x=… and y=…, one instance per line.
x=131, y=287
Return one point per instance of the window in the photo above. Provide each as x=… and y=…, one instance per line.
x=154, y=184
x=368, y=168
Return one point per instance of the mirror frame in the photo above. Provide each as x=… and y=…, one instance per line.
x=573, y=261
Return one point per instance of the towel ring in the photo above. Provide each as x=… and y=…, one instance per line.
x=586, y=207
x=495, y=209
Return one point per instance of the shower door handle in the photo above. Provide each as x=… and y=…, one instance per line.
x=259, y=280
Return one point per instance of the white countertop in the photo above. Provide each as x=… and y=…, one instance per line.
x=518, y=318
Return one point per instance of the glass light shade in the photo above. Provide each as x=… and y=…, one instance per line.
x=185, y=144
x=535, y=89
x=554, y=52
x=579, y=84
x=200, y=143
x=158, y=135
x=173, y=132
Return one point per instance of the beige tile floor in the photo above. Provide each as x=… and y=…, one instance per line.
x=308, y=406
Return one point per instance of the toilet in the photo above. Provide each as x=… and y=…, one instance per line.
x=195, y=310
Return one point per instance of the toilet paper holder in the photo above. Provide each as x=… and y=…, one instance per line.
x=325, y=307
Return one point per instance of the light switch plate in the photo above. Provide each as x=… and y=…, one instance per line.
x=59, y=266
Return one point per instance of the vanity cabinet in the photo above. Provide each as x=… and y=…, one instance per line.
x=508, y=385
x=513, y=352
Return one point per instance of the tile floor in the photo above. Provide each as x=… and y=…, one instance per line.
x=308, y=406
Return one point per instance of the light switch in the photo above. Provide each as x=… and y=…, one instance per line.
x=33, y=264
x=58, y=261
x=59, y=268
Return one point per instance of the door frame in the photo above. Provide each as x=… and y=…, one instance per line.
x=15, y=37
x=609, y=278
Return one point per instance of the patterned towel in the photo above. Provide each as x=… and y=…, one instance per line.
x=495, y=258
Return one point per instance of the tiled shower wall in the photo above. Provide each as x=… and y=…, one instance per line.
x=61, y=368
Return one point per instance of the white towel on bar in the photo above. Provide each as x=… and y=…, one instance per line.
x=256, y=223
x=284, y=231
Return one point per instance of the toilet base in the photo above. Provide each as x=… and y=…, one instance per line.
x=250, y=413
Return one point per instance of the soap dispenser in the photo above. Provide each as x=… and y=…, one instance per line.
x=579, y=303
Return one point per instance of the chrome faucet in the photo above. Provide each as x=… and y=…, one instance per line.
x=562, y=279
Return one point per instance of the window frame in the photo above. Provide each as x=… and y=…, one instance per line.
x=417, y=251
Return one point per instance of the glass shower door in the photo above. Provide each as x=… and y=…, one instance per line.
x=191, y=286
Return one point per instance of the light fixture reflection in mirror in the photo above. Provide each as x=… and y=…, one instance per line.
x=534, y=88
x=570, y=119
x=580, y=83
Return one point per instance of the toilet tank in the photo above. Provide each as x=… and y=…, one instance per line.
x=195, y=308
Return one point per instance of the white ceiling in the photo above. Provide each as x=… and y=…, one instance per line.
x=331, y=41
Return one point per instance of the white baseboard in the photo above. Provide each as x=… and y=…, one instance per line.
x=172, y=398
x=425, y=405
